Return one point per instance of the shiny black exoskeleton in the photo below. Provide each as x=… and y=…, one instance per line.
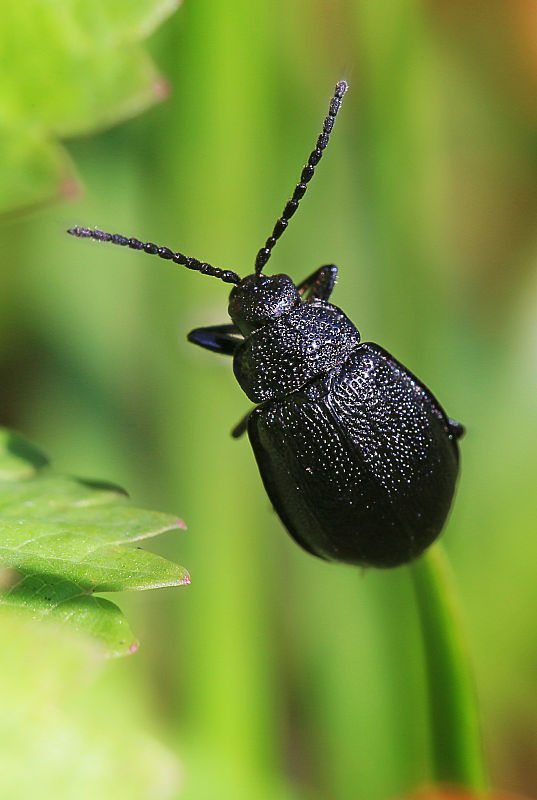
x=357, y=456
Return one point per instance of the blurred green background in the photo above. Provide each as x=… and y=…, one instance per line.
x=275, y=675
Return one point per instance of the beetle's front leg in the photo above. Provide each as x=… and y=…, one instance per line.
x=241, y=427
x=222, y=339
x=318, y=286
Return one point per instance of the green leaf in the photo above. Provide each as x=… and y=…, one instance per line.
x=63, y=601
x=71, y=728
x=62, y=539
x=92, y=73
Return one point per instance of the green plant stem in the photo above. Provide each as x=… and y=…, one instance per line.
x=455, y=729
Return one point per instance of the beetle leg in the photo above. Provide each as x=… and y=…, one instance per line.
x=456, y=429
x=218, y=338
x=318, y=286
x=241, y=426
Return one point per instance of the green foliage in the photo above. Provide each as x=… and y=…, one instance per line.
x=67, y=729
x=64, y=539
x=457, y=746
x=68, y=68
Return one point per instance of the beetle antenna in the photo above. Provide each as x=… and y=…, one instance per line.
x=305, y=177
x=225, y=275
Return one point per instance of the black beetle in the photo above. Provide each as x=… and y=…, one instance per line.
x=357, y=456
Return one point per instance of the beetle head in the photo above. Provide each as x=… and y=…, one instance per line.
x=256, y=299
x=259, y=299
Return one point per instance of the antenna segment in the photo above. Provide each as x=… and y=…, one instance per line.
x=305, y=177
x=225, y=275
